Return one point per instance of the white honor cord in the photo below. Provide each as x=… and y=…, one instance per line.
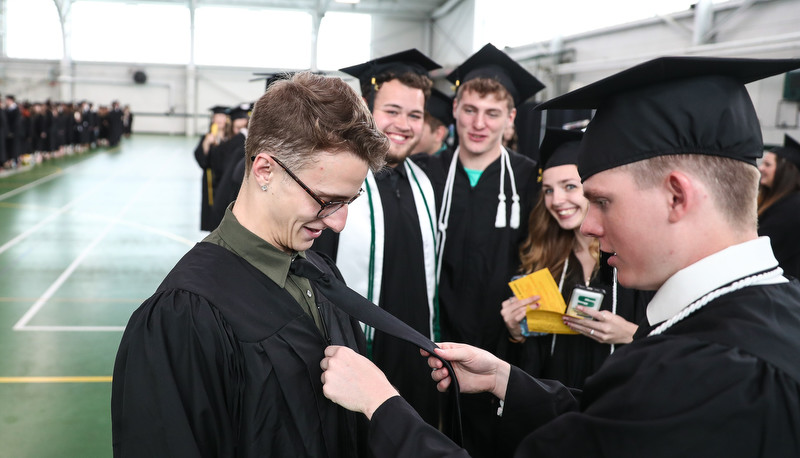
x=613, y=303
x=560, y=288
x=444, y=213
x=700, y=303
x=500, y=216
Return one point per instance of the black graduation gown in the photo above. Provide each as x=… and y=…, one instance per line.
x=115, y=127
x=16, y=133
x=723, y=382
x=478, y=262
x=3, y=134
x=575, y=357
x=222, y=362
x=228, y=189
x=206, y=185
x=403, y=292
x=38, y=132
x=480, y=259
x=781, y=223
x=224, y=156
x=86, y=127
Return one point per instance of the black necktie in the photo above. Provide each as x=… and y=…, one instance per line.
x=368, y=313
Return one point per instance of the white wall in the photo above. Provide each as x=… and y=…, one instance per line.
x=767, y=29
x=452, y=35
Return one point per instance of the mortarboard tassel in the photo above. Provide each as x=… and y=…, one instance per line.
x=514, y=223
x=500, y=218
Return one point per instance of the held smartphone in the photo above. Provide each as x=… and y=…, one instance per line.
x=587, y=297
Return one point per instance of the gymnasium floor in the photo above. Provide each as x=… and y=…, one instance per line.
x=83, y=241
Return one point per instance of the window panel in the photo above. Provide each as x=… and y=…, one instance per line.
x=129, y=32
x=344, y=39
x=246, y=37
x=33, y=30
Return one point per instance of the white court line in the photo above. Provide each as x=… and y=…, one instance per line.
x=21, y=325
x=21, y=237
x=35, y=183
x=16, y=240
x=60, y=280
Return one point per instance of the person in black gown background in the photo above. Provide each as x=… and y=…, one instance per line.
x=218, y=131
x=484, y=194
x=779, y=203
x=387, y=251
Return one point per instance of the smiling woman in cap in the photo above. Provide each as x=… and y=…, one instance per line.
x=668, y=165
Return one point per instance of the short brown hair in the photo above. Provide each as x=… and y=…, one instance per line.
x=298, y=118
x=432, y=121
x=410, y=79
x=733, y=184
x=484, y=87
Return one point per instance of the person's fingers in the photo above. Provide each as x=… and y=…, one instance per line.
x=595, y=314
x=439, y=374
x=584, y=326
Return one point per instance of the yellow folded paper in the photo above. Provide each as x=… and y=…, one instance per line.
x=547, y=318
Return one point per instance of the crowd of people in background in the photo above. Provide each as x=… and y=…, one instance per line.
x=32, y=132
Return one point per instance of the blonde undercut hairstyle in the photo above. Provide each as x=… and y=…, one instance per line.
x=733, y=184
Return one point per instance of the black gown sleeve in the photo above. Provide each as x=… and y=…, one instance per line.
x=175, y=389
x=200, y=156
x=529, y=403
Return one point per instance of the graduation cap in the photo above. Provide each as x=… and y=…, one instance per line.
x=241, y=111
x=492, y=63
x=440, y=106
x=559, y=147
x=410, y=60
x=219, y=109
x=789, y=151
x=672, y=105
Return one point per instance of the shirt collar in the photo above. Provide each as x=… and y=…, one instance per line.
x=712, y=272
x=268, y=259
x=399, y=169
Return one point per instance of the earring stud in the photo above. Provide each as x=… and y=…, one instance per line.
x=263, y=187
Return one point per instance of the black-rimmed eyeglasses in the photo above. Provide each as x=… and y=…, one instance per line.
x=326, y=208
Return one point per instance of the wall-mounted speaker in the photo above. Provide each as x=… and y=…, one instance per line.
x=139, y=77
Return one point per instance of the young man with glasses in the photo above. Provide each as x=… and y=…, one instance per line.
x=223, y=360
x=387, y=252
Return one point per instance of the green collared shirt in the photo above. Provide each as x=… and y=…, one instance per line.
x=269, y=260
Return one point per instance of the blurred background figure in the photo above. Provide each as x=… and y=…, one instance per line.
x=779, y=203
x=218, y=131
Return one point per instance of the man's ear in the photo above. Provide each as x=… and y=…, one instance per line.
x=681, y=194
x=441, y=133
x=263, y=168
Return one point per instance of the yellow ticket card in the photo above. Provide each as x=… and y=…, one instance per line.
x=548, y=317
x=540, y=283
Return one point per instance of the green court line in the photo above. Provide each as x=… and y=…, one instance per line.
x=84, y=379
